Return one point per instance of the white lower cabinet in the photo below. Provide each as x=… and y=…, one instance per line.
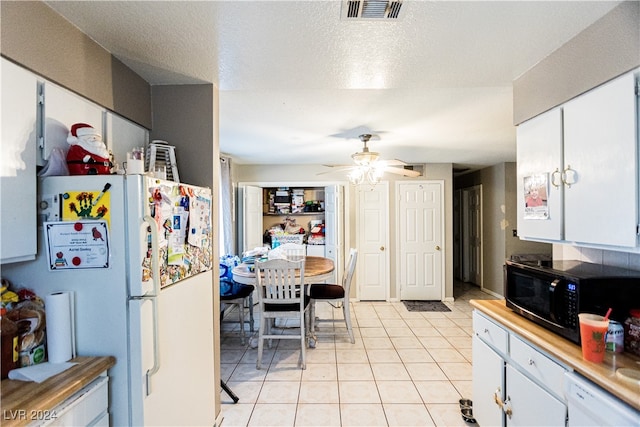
x=527, y=404
x=88, y=407
x=488, y=383
x=513, y=383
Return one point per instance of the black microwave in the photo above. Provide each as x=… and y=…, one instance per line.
x=552, y=293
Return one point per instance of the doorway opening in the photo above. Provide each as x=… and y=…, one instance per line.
x=467, y=233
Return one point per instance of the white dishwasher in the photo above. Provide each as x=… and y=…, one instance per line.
x=590, y=405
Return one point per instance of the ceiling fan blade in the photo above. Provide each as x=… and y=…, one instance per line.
x=339, y=167
x=401, y=171
x=336, y=168
x=395, y=162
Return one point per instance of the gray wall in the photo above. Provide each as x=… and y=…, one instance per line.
x=608, y=48
x=36, y=37
x=183, y=115
x=499, y=219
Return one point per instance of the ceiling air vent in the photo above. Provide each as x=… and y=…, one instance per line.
x=372, y=9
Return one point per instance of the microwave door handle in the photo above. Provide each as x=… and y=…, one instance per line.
x=552, y=299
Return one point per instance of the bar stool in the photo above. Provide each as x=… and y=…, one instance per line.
x=240, y=295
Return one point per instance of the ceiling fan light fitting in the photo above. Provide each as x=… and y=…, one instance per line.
x=365, y=157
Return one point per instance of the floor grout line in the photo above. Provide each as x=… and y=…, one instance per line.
x=438, y=412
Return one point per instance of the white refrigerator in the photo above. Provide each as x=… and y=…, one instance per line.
x=143, y=288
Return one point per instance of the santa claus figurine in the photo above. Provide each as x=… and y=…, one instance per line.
x=88, y=154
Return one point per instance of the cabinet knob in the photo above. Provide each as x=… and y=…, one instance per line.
x=437, y=248
x=382, y=248
x=531, y=362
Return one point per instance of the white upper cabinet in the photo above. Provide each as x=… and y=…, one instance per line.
x=583, y=158
x=18, y=226
x=540, y=154
x=122, y=136
x=600, y=151
x=62, y=109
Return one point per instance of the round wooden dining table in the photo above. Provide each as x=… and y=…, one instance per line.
x=317, y=269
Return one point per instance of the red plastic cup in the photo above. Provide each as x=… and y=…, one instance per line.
x=593, y=330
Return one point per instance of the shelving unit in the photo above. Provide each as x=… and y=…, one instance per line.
x=277, y=201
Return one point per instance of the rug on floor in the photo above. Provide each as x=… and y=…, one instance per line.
x=413, y=305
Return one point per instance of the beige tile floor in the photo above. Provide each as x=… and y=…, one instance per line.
x=405, y=369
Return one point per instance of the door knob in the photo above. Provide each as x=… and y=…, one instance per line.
x=382, y=248
x=437, y=248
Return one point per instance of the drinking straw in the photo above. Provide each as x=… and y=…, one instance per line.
x=606, y=316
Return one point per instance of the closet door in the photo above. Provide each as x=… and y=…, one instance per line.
x=251, y=199
x=333, y=220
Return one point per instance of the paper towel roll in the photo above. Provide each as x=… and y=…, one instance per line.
x=60, y=326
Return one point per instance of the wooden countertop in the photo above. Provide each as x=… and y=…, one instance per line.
x=568, y=353
x=31, y=397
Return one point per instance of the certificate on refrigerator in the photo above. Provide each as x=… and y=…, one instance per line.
x=77, y=244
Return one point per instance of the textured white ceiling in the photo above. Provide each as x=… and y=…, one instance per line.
x=298, y=84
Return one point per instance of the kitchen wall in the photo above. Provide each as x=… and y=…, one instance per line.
x=309, y=174
x=608, y=48
x=499, y=218
x=39, y=39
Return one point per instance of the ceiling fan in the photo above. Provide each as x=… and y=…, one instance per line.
x=369, y=167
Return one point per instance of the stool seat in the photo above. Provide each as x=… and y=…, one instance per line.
x=235, y=290
x=241, y=295
x=320, y=291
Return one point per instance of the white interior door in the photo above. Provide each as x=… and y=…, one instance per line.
x=373, y=239
x=475, y=235
x=251, y=218
x=420, y=240
x=472, y=235
x=334, y=235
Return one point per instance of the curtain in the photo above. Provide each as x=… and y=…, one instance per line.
x=226, y=207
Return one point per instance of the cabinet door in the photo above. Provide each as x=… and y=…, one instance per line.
x=539, y=154
x=600, y=148
x=530, y=405
x=121, y=136
x=62, y=109
x=488, y=379
x=18, y=225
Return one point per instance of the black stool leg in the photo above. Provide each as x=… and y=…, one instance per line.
x=231, y=394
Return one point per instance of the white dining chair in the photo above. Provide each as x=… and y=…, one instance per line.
x=294, y=251
x=334, y=293
x=281, y=295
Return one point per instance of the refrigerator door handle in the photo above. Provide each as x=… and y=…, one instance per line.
x=156, y=346
x=155, y=255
